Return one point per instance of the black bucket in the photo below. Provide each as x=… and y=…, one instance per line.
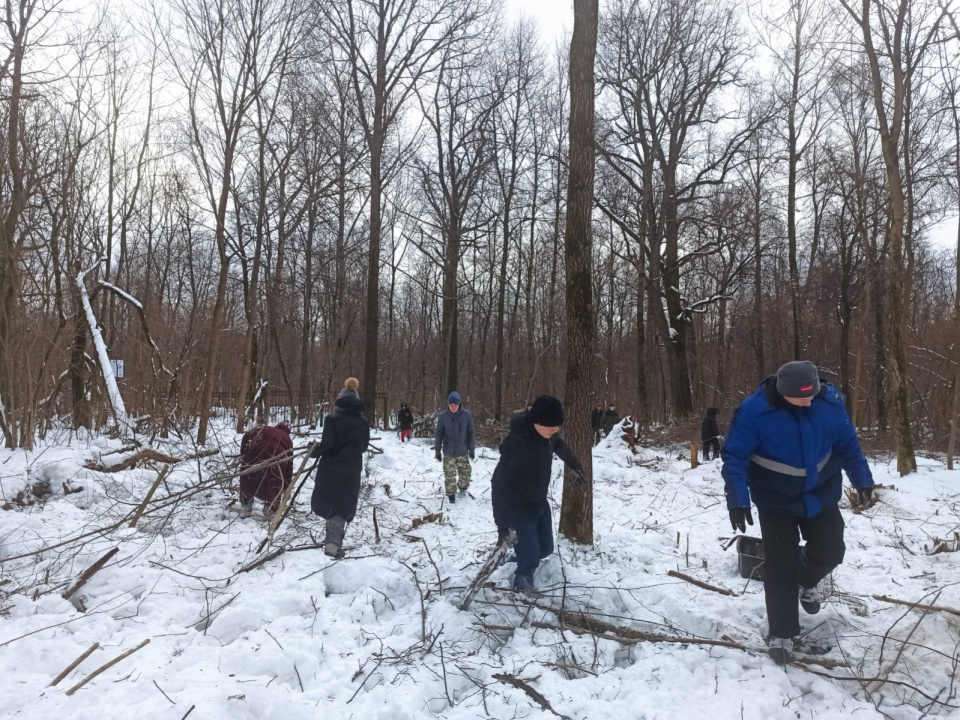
x=750, y=557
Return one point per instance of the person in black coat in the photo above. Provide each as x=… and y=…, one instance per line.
x=596, y=423
x=610, y=418
x=521, y=482
x=405, y=420
x=710, y=434
x=346, y=435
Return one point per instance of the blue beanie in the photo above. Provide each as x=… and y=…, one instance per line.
x=453, y=398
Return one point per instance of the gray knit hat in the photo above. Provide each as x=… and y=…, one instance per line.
x=798, y=379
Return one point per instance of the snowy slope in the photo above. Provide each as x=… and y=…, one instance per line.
x=378, y=633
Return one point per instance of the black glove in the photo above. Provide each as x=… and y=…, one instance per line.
x=315, y=450
x=470, y=453
x=740, y=518
x=864, y=495
x=439, y=456
x=579, y=479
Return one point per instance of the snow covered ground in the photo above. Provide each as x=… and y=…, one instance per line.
x=377, y=635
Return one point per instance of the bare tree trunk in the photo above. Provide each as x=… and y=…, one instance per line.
x=576, y=514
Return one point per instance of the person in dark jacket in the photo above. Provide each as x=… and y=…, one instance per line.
x=610, y=418
x=405, y=420
x=786, y=447
x=710, y=434
x=346, y=435
x=521, y=482
x=262, y=446
x=596, y=423
x=456, y=438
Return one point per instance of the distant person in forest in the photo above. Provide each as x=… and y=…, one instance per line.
x=346, y=435
x=521, y=482
x=596, y=422
x=786, y=447
x=610, y=418
x=405, y=420
x=454, y=443
x=710, y=434
x=266, y=464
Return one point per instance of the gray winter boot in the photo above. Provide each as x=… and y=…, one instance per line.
x=781, y=650
x=336, y=527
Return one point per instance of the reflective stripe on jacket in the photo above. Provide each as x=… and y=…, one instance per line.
x=789, y=459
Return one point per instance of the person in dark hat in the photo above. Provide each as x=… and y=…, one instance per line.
x=786, y=447
x=454, y=446
x=405, y=420
x=521, y=482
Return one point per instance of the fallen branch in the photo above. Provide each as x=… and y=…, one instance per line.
x=147, y=455
x=533, y=694
x=72, y=666
x=918, y=606
x=90, y=572
x=882, y=681
x=644, y=637
x=701, y=584
x=107, y=666
x=287, y=500
x=146, y=500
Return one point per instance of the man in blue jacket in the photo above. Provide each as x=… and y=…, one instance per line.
x=786, y=447
x=456, y=438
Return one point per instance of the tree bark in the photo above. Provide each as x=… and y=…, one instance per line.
x=576, y=514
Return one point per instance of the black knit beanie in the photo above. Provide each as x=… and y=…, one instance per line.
x=547, y=411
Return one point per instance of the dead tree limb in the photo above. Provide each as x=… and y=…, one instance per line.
x=107, y=666
x=647, y=637
x=287, y=500
x=90, y=572
x=73, y=666
x=146, y=500
x=701, y=584
x=533, y=694
x=918, y=606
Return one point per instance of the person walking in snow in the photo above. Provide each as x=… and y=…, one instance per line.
x=346, y=435
x=272, y=448
x=596, y=422
x=710, y=434
x=786, y=447
x=405, y=420
x=521, y=482
x=454, y=443
x=610, y=418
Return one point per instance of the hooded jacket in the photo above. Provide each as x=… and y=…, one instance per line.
x=455, y=432
x=405, y=418
x=789, y=458
x=346, y=434
x=526, y=459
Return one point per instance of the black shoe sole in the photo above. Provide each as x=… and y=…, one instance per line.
x=810, y=608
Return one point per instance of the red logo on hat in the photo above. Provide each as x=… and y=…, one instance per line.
x=806, y=388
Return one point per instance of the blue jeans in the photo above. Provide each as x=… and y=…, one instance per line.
x=533, y=524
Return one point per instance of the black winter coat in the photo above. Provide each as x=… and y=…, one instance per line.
x=522, y=477
x=709, y=430
x=346, y=434
x=405, y=418
x=610, y=418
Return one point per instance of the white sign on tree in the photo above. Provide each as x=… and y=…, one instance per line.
x=117, y=367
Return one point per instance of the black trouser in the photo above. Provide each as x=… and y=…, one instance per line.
x=787, y=568
x=707, y=445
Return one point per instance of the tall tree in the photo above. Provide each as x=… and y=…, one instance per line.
x=576, y=514
x=906, y=30
x=392, y=46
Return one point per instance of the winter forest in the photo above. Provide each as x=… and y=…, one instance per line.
x=214, y=211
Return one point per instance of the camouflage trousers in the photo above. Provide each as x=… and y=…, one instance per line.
x=453, y=465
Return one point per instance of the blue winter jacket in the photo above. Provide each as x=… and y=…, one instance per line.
x=789, y=458
x=455, y=432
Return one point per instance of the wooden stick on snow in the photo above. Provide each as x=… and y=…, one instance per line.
x=146, y=500
x=107, y=666
x=90, y=572
x=72, y=666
